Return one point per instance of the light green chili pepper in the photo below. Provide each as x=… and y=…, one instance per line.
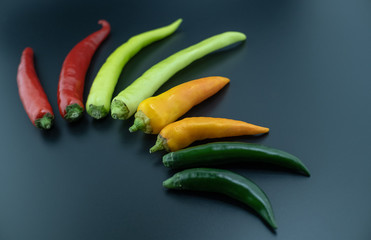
x=126, y=102
x=100, y=95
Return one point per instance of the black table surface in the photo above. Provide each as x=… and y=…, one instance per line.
x=304, y=72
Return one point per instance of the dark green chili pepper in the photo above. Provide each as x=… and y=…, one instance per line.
x=227, y=183
x=232, y=152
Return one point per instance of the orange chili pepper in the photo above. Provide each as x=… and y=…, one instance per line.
x=180, y=134
x=154, y=113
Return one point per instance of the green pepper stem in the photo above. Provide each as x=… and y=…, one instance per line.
x=73, y=112
x=119, y=110
x=46, y=122
x=138, y=124
x=160, y=144
x=141, y=122
x=97, y=112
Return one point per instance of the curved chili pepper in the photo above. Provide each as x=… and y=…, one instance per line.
x=180, y=134
x=219, y=153
x=32, y=95
x=100, y=95
x=72, y=76
x=227, y=183
x=154, y=113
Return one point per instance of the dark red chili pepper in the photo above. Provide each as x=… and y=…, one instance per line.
x=72, y=76
x=33, y=97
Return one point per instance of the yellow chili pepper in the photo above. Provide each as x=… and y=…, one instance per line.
x=154, y=113
x=180, y=134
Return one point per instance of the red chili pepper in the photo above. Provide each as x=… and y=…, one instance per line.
x=72, y=77
x=33, y=97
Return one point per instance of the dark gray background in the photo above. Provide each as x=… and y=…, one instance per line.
x=304, y=71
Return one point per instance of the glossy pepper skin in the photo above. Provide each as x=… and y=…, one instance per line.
x=180, y=134
x=219, y=153
x=227, y=183
x=33, y=97
x=72, y=76
x=127, y=101
x=154, y=113
x=100, y=95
